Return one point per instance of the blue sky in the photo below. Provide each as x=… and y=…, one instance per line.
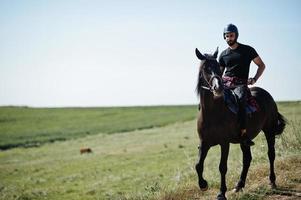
x=123, y=53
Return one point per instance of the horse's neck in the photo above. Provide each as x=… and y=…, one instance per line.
x=210, y=105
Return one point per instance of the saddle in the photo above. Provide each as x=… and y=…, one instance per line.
x=232, y=101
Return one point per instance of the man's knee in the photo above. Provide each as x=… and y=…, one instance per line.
x=241, y=93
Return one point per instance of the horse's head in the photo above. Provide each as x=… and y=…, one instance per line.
x=209, y=74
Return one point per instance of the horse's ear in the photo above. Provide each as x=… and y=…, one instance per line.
x=199, y=55
x=215, y=53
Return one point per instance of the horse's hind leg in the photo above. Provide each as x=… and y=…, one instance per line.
x=271, y=153
x=247, y=158
x=203, y=150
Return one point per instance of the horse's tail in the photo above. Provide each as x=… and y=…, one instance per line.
x=281, y=122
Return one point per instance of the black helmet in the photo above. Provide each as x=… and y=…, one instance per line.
x=229, y=29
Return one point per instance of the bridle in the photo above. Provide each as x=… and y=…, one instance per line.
x=204, y=58
x=209, y=86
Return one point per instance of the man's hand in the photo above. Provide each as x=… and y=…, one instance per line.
x=251, y=81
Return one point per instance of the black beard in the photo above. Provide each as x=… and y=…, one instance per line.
x=231, y=43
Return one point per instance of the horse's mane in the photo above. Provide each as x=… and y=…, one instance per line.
x=198, y=88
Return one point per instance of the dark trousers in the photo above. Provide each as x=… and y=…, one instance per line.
x=241, y=94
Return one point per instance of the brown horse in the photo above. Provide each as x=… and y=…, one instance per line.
x=217, y=125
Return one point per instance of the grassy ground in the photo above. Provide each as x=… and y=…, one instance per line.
x=137, y=163
x=156, y=163
x=22, y=126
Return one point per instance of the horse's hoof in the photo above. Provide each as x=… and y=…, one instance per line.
x=237, y=189
x=221, y=197
x=273, y=185
x=203, y=185
x=204, y=189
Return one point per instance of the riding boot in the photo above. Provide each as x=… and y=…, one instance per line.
x=243, y=124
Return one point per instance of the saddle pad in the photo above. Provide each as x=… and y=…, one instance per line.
x=231, y=102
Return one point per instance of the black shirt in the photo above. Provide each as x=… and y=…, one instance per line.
x=237, y=61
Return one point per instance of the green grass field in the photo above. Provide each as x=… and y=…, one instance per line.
x=22, y=126
x=138, y=153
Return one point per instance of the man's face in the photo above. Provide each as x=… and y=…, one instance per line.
x=230, y=38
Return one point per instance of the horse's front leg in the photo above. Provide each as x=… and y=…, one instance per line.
x=247, y=158
x=223, y=170
x=203, y=150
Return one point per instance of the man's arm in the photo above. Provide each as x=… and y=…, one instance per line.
x=261, y=67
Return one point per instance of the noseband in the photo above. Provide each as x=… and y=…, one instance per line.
x=209, y=83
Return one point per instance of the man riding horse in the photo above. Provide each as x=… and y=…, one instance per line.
x=236, y=60
x=217, y=123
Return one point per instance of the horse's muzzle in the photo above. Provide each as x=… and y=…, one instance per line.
x=217, y=87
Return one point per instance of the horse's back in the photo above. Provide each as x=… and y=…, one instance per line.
x=264, y=99
x=268, y=107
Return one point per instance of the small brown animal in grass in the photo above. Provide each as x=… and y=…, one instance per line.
x=85, y=150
